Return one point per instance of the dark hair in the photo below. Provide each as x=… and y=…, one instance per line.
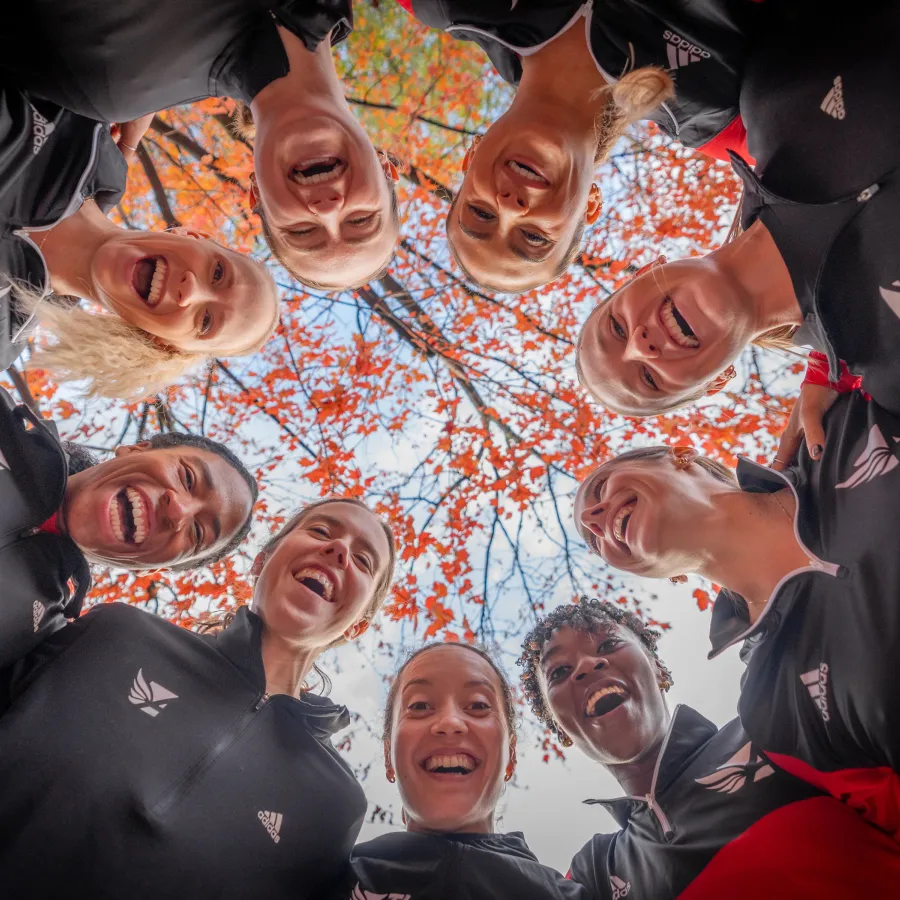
x=588, y=615
x=509, y=704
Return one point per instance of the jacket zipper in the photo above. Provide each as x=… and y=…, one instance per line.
x=650, y=797
x=186, y=783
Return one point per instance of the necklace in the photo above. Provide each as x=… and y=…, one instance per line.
x=778, y=501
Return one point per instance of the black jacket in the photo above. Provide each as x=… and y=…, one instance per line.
x=36, y=567
x=141, y=760
x=703, y=43
x=824, y=125
x=50, y=161
x=115, y=61
x=818, y=695
x=709, y=788
x=408, y=866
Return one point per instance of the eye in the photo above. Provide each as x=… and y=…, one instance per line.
x=616, y=328
x=189, y=480
x=365, y=562
x=418, y=706
x=482, y=214
x=319, y=529
x=480, y=706
x=362, y=220
x=535, y=239
x=218, y=272
x=303, y=232
x=198, y=535
x=205, y=324
x=648, y=378
x=609, y=644
x=558, y=672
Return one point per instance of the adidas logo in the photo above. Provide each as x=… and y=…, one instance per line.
x=43, y=128
x=876, y=459
x=682, y=52
x=816, y=683
x=892, y=298
x=152, y=697
x=37, y=613
x=619, y=888
x=272, y=823
x=732, y=775
x=360, y=894
x=833, y=104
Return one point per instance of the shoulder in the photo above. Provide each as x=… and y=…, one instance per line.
x=590, y=867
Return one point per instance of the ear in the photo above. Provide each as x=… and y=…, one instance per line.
x=388, y=768
x=594, y=205
x=125, y=449
x=258, y=563
x=387, y=166
x=189, y=232
x=357, y=630
x=720, y=381
x=682, y=456
x=470, y=153
x=511, y=765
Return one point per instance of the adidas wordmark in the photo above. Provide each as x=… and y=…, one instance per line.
x=37, y=613
x=620, y=888
x=816, y=682
x=271, y=822
x=682, y=52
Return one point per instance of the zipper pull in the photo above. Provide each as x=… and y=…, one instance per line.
x=868, y=193
x=261, y=702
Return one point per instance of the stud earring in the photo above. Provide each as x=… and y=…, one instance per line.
x=678, y=579
x=564, y=739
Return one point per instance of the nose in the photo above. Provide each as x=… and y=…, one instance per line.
x=641, y=345
x=512, y=200
x=593, y=518
x=588, y=664
x=325, y=202
x=179, y=508
x=188, y=289
x=338, y=552
x=450, y=721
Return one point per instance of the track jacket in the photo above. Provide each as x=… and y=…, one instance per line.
x=409, y=866
x=51, y=160
x=702, y=43
x=822, y=662
x=824, y=125
x=116, y=61
x=717, y=807
x=36, y=567
x=141, y=760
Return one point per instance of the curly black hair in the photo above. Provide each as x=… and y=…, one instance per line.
x=588, y=614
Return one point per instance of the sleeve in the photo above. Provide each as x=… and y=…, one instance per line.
x=734, y=138
x=588, y=869
x=315, y=20
x=817, y=373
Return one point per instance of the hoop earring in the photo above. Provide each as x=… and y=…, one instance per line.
x=665, y=684
x=391, y=777
x=564, y=739
x=679, y=579
x=659, y=261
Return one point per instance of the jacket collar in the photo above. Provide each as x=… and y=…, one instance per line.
x=241, y=644
x=688, y=732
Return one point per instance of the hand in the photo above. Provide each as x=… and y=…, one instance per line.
x=805, y=422
x=128, y=135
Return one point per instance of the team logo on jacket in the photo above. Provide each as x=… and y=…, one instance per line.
x=271, y=822
x=876, y=459
x=816, y=682
x=620, y=888
x=892, y=298
x=150, y=697
x=681, y=51
x=732, y=775
x=37, y=613
x=833, y=104
x=360, y=894
x=43, y=128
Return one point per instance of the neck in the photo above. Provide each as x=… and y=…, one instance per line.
x=758, y=269
x=70, y=246
x=636, y=778
x=286, y=664
x=312, y=80
x=479, y=826
x=749, y=545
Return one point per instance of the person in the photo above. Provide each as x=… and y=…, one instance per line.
x=704, y=813
x=171, y=763
x=326, y=197
x=172, y=300
x=583, y=72
x=808, y=570
x=176, y=501
x=450, y=744
x=814, y=264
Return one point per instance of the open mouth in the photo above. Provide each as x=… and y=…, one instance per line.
x=527, y=172
x=620, y=523
x=604, y=701
x=450, y=764
x=316, y=581
x=149, y=279
x=677, y=326
x=319, y=171
x=129, y=517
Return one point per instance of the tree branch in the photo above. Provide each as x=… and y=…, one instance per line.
x=159, y=192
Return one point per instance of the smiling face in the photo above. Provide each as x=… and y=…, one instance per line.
x=319, y=581
x=450, y=744
x=663, y=339
x=149, y=508
x=603, y=690
x=186, y=290
x=646, y=516
x=516, y=214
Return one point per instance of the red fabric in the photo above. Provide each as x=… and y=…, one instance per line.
x=406, y=4
x=51, y=526
x=734, y=137
x=813, y=848
x=817, y=373
x=872, y=792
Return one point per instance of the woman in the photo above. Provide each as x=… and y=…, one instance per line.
x=326, y=197
x=172, y=764
x=177, y=501
x=705, y=814
x=173, y=300
x=583, y=72
x=450, y=744
x=809, y=568
x=816, y=263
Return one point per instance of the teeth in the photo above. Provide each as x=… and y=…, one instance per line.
x=321, y=577
x=597, y=696
x=674, y=329
x=525, y=173
x=115, y=520
x=619, y=525
x=456, y=761
x=156, y=284
x=339, y=168
x=137, y=510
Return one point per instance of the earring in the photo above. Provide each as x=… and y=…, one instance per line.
x=391, y=777
x=507, y=776
x=659, y=261
x=595, y=205
x=564, y=739
x=470, y=152
x=682, y=462
x=679, y=579
x=665, y=684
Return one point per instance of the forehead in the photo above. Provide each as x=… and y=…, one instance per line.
x=449, y=667
x=566, y=637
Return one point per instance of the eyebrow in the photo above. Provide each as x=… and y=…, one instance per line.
x=208, y=486
x=481, y=682
x=367, y=544
x=550, y=653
